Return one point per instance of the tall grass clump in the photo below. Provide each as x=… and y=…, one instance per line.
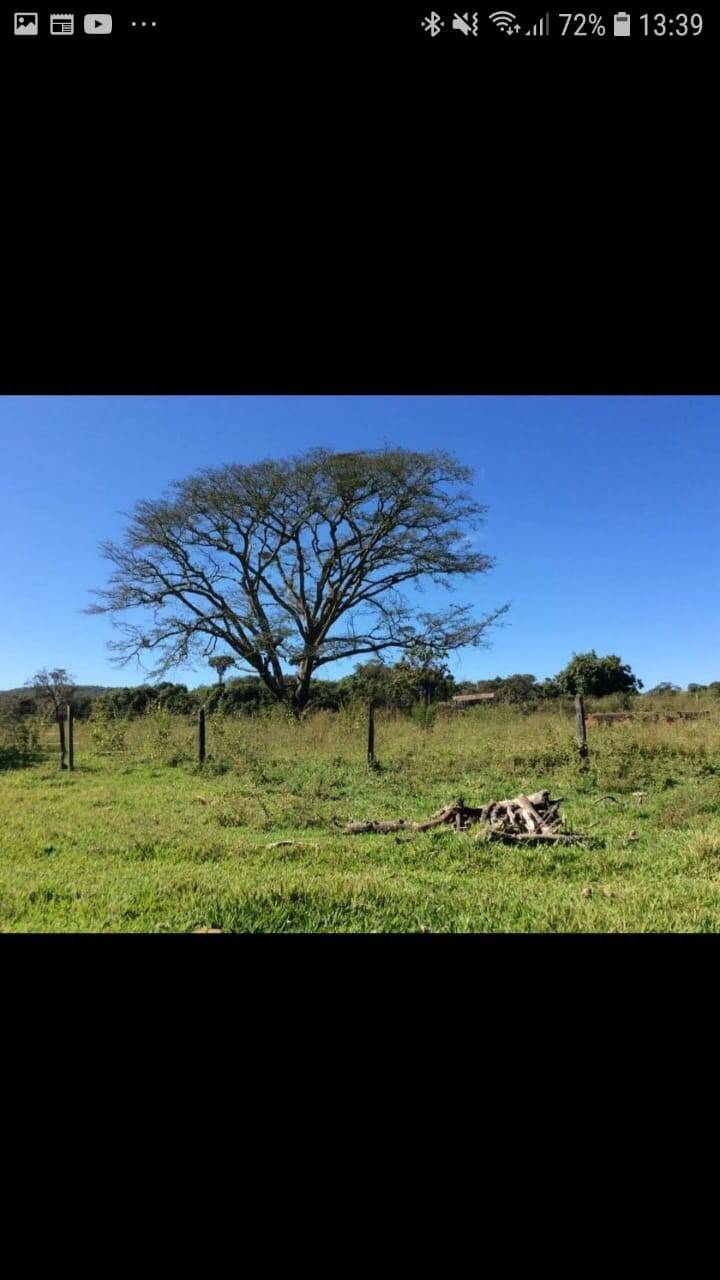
x=166, y=738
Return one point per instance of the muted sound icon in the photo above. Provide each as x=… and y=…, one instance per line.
x=465, y=22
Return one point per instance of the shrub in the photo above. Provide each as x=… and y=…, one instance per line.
x=424, y=716
x=158, y=734
x=19, y=741
x=107, y=730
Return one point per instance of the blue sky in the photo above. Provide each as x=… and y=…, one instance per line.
x=603, y=515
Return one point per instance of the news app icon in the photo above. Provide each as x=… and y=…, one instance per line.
x=62, y=24
x=97, y=24
x=25, y=24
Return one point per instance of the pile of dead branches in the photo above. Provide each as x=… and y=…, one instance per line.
x=534, y=818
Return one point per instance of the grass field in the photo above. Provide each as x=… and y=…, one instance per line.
x=138, y=839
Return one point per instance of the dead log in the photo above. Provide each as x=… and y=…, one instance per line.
x=532, y=814
x=404, y=824
x=522, y=817
x=277, y=844
x=556, y=837
x=376, y=828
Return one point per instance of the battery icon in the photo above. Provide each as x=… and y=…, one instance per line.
x=621, y=24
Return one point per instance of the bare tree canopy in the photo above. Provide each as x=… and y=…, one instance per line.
x=53, y=689
x=291, y=564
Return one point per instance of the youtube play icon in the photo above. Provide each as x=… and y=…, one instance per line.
x=98, y=24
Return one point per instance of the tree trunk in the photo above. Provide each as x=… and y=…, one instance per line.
x=301, y=692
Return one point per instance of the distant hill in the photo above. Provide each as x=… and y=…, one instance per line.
x=82, y=691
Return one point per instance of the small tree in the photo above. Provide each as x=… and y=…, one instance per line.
x=221, y=663
x=53, y=690
x=586, y=673
x=422, y=674
x=549, y=689
x=517, y=689
x=20, y=707
x=175, y=699
x=371, y=682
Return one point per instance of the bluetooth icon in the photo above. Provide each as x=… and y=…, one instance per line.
x=433, y=25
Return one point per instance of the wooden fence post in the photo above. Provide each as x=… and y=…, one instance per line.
x=371, y=736
x=61, y=731
x=70, y=741
x=581, y=729
x=201, y=735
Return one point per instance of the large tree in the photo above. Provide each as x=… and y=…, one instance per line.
x=296, y=563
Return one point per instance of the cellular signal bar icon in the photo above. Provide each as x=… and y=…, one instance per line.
x=541, y=28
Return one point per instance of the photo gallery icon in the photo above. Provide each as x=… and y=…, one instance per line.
x=25, y=24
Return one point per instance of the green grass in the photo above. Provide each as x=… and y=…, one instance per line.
x=138, y=839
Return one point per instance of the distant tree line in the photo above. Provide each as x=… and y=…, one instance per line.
x=398, y=686
x=418, y=679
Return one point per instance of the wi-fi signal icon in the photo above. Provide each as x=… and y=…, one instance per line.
x=503, y=19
